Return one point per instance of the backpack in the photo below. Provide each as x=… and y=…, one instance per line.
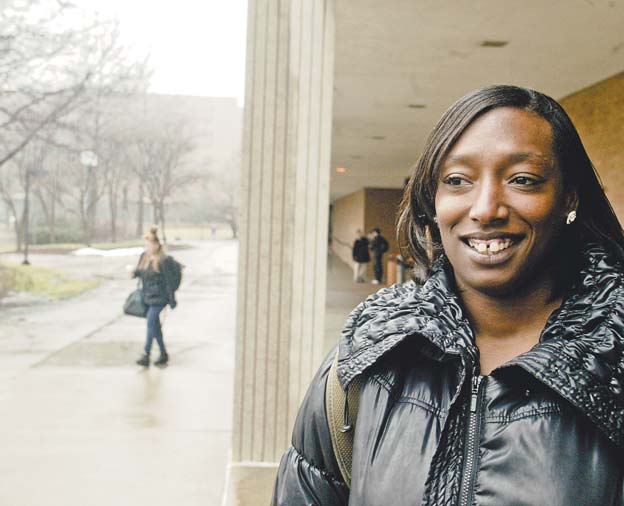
x=384, y=245
x=342, y=410
x=175, y=269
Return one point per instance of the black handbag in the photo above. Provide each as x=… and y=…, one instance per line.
x=135, y=304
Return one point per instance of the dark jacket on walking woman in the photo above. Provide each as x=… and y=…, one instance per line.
x=157, y=286
x=546, y=428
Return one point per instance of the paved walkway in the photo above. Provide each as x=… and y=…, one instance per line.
x=80, y=424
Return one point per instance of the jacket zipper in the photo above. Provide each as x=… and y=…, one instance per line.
x=471, y=452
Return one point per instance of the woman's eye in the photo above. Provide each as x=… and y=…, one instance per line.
x=524, y=181
x=454, y=181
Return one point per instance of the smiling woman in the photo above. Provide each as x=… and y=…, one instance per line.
x=501, y=203
x=498, y=378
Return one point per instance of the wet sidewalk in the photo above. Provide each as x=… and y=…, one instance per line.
x=80, y=424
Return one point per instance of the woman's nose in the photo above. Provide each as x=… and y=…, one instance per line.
x=488, y=206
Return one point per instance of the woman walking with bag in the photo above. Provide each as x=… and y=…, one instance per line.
x=156, y=273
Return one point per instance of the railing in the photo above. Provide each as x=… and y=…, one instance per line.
x=342, y=243
x=345, y=247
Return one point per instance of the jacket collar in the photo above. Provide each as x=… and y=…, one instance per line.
x=580, y=354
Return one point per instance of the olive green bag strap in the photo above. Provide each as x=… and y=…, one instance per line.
x=342, y=409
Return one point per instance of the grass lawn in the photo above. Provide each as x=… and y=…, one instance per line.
x=51, y=283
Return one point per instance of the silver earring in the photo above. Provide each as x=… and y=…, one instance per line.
x=435, y=219
x=571, y=217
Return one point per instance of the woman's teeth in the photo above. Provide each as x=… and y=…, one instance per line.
x=489, y=247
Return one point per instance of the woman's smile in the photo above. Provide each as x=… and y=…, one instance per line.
x=493, y=251
x=489, y=247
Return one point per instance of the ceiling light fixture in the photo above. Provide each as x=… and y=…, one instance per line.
x=341, y=170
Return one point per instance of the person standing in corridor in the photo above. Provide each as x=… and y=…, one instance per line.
x=378, y=245
x=361, y=257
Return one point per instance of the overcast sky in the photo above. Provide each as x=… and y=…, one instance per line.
x=197, y=47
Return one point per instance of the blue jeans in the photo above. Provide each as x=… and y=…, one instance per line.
x=378, y=267
x=154, y=330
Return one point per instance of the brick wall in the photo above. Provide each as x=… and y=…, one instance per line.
x=381, y=210
x=598, y=114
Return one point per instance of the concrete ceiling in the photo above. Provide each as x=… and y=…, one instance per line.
x=390, y=54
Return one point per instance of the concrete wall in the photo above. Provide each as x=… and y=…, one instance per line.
x=347, y=217
x=365, y=209
x=598, y=114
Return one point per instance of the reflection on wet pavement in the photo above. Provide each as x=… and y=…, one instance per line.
x=81, y=424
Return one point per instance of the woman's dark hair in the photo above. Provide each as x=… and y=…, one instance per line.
x=418, y=234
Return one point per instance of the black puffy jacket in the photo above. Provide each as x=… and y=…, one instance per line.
x=360, y=250
x=157, y=286
x=379, y=245
x=546, y=428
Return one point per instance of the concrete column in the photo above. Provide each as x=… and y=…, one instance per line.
x=283, y=235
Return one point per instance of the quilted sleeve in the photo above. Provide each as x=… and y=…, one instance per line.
x=308, y=474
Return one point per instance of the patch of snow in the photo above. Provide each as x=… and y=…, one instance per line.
x=118, y=252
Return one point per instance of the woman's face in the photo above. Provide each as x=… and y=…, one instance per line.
x=151, y=247
x=500, y=202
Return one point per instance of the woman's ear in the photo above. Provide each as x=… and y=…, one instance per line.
x=571, y=201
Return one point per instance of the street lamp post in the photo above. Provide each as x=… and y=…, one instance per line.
x=30, y=173
x=26, y=217
x=90, y=160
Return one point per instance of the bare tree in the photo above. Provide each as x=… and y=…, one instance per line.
x=38, y=80
x=159, y=162
x=116, y=178
x=50, y=161
x=84, y=190
x=17, y=179
x=12, y=189
x=224, y=198
x=53, y=59
x=219, y=202
x=140, y=207
x=49, y=193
